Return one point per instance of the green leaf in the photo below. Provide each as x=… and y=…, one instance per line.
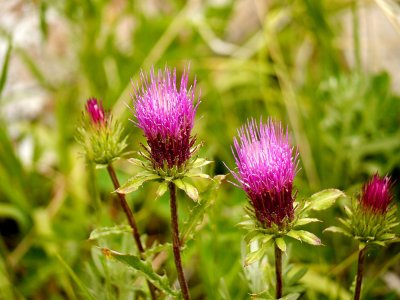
x=324, y=199
x=143, y=267
x=254, y=256
x=304, y=236
x=189, y=189
x=280, y=242
x=192, y=174
x=197, y=213
x=200, y=162
x=105, y=231
x=304, y=221
x=337, y=230
x=162, y=188
x=156, y=249
x=136, y=181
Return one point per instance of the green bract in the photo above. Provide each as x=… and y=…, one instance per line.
x=179, y=176
x=366, y=226
x=267, y=236
x=102, y=144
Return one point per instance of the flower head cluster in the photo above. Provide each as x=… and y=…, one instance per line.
x=101, y=138
x=266, y=166
x=377, y=195
x=166, y=115
x=96, y=111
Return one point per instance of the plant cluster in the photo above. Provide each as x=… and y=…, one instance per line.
x=266, y=166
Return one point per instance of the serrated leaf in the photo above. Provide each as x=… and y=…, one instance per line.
x=105, y=231
x=200, y=162
x=136, y=181
x=189, y=189
x=254, y=256
x=280, y=242
x=162, y=188
x=336, y=229
x=304, y=221
x=144, y=268
x=304, y=236
x=324, y=199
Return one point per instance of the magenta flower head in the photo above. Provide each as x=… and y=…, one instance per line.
x=266, y=166
x=166, y=113
x=377, y=195
x=96, y=111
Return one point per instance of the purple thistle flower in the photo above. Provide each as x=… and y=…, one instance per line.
x=96, y=111
x=376, y=194
x=266, y=166
x=166, y=115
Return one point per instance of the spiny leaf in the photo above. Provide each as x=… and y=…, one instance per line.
x=105, y=231
x=324, y=199
x=136, y=181
x=143, y=267
x=189, y=189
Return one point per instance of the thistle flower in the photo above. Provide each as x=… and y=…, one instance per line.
x=166, y=115
x=376, y=195
x=96, y=111
x=266, y=166
x=101, y=138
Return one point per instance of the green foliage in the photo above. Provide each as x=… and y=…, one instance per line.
x=143, y=267
x=288, y=61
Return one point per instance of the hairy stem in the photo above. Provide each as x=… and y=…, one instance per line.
x=278, y=271
x=360, y=271
x=131, y=219
x=176, y=244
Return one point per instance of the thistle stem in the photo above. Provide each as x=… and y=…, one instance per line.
x=360, y=271
x=176, y=244
x=278, y=271
x=132, y=222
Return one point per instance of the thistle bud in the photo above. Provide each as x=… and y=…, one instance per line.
x=101, y=138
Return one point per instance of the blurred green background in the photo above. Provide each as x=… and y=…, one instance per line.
x=327, y=69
